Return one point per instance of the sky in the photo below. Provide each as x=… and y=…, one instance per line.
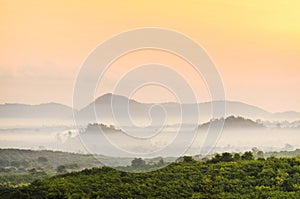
x=255, y=46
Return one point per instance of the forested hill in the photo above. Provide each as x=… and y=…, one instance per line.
x=20, y=160
x=233, y=122
x=224, y=176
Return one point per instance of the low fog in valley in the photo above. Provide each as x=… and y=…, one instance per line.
x=52, y=127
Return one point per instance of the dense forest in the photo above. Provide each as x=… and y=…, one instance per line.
x=223, y=176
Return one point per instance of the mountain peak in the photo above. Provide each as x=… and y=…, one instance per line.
x=109, y=96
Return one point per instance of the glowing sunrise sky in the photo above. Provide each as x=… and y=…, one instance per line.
x=254, y=44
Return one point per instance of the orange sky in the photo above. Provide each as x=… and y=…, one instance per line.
x=255, y=45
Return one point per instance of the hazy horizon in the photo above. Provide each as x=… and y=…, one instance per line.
x=152, y=52
x=256, y=48
x=143, y=102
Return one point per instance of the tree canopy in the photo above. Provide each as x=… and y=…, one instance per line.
x=224, y=176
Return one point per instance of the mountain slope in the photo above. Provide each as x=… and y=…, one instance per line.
x=144, y=113
x=137, y=110
x=48, y=110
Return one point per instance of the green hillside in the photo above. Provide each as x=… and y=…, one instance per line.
x=224, y=176
x=19, y=160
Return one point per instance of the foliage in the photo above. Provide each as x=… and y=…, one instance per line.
x=225, y=176
x=17, y=161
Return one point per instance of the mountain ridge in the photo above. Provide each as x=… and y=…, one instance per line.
x=57, y=110
x=45, y=110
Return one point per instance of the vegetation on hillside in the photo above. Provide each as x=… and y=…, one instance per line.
x=234, y=122
x=224, y=176
x=20, y=160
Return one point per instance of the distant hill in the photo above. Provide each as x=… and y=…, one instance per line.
x=138, y=110
x=144, y=112
x=48, y=161
x=233, y=122
x=48, y=110
x=103, y=107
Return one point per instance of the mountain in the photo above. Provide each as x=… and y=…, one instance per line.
x=108, y=107
x=147, y=112
x=287, y=114
x=141, y=113
x=24, y=111
x=103, y=106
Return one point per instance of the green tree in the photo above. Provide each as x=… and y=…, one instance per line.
x=236, y=157
x=138, y=163
x=248, y=155
x=188, y=159
x=226, y=157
